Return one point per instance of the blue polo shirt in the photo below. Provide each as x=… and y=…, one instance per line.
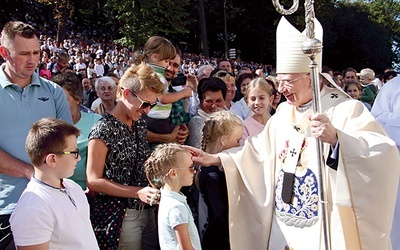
x=19, y=109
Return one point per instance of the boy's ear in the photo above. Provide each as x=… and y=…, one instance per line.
x=50, y=160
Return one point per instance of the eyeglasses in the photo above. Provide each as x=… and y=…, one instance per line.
x=143, y=104
x=289, y=82
x=76, y=153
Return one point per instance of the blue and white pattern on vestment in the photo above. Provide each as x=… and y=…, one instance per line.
x=303, y=210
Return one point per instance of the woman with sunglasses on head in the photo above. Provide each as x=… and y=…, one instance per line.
x=117, y=151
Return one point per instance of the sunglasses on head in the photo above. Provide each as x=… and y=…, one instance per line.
x=143, y=104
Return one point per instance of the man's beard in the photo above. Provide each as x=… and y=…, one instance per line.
x=169, y=76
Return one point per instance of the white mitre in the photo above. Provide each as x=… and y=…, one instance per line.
x=289, y=55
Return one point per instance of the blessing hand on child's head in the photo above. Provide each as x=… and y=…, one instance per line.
x=192, y=150
x=202, y=158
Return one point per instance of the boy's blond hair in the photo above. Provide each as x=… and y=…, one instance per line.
x=367, y=72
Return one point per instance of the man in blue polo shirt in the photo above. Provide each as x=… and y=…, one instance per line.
x=24, y=99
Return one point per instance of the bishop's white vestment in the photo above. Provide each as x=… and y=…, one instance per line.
x=361, y=192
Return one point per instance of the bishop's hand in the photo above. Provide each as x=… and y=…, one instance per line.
x=322, y=128
x=202, y=158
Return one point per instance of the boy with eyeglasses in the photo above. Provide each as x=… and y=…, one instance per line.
x=53, y=212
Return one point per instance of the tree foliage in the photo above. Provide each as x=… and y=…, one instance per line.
x=357, y=33
x=386, y=13
x=141, y=19
x=62, y=10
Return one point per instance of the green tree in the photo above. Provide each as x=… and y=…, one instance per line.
x=62, y=10
x=358, y=43
x=386, y=14
x=203, y=28
x=141, y=19
x=359, y=34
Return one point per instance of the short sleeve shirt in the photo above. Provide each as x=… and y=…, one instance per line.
x=174, y=211
x=49, y=214
x=19, y=109
x=127, y=150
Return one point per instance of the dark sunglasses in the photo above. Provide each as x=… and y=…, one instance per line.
x=143, y=104
x=75, y=153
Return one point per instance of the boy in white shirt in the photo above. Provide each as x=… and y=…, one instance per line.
x=52, y=212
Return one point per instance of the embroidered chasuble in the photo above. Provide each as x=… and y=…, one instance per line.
x=263, y=215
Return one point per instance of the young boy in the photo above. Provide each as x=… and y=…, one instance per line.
x=52, y=212
x=369, y=91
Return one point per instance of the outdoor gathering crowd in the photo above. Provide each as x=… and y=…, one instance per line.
x=106, y=148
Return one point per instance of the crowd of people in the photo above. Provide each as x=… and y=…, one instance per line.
x=174, y=150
